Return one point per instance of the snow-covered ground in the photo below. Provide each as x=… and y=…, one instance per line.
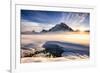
x=73, y=41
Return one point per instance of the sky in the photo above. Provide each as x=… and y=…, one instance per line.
x=39, y=20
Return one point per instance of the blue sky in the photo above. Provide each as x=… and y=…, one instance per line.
x=38, y=20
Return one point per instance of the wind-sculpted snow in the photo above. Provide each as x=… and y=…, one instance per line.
x=58, y=48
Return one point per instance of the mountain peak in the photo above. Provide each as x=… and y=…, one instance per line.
x=61, y=27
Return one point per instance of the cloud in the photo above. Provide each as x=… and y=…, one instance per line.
x=30, y=26
x=76, y=19
x=38, y=20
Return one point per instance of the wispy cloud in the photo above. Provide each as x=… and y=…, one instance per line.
x=30, y=26
x=46, y=19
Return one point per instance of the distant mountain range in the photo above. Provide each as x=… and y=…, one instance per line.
x=56, y=28
x=29, y=32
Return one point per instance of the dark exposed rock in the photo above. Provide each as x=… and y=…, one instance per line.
x=44, y=30
x=87, y=30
